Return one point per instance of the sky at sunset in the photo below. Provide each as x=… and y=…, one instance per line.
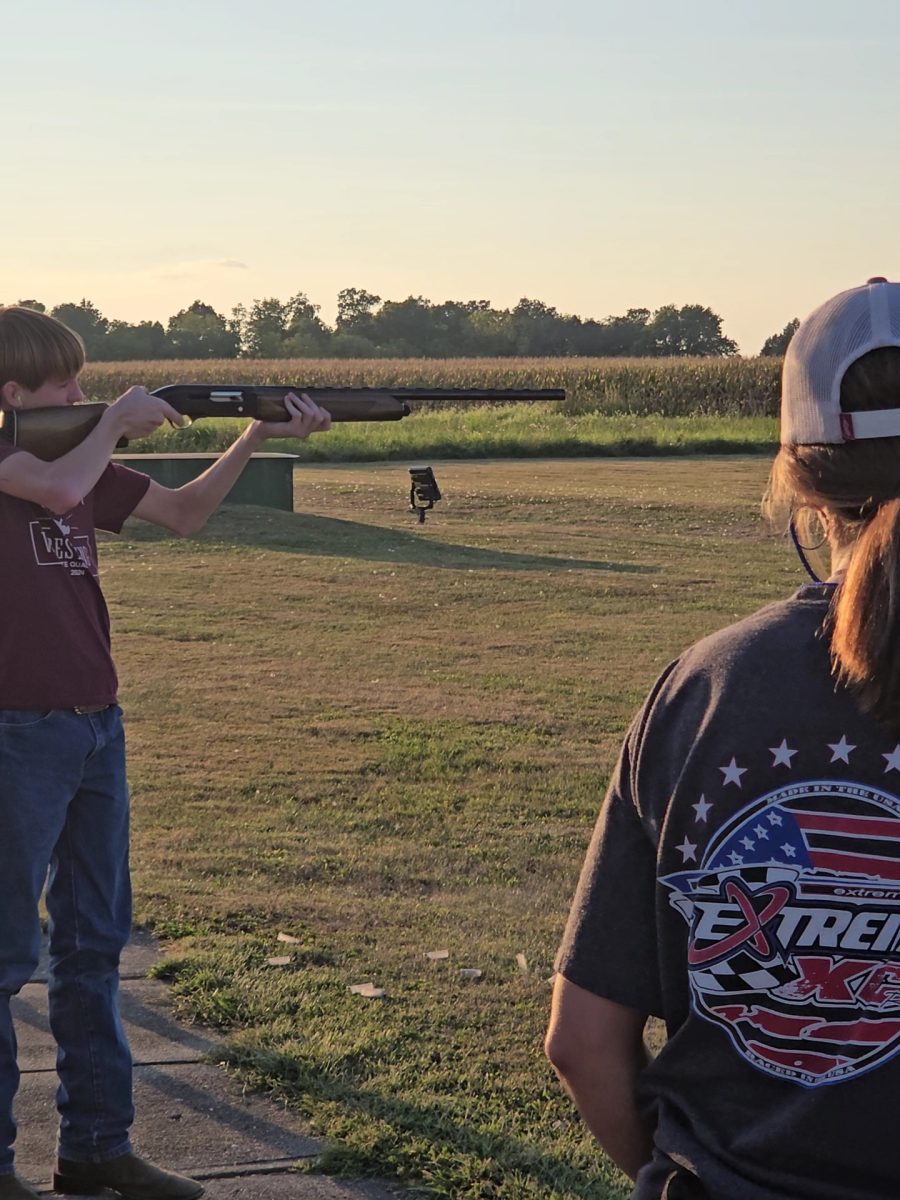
x=593, y=155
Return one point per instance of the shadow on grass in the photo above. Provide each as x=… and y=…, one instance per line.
x=301, y=533
x=411, y=1125
x=658, y=445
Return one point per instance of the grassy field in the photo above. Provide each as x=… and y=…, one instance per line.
x=383, y=739
x=518, y=431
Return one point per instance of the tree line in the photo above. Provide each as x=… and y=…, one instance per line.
x=369, y=327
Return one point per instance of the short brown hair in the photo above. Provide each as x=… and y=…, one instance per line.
x=36, y=349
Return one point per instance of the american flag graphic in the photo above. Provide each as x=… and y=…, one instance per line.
x=794, y=915
x=822, y=828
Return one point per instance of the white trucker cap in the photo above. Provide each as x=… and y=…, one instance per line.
x=839, y=332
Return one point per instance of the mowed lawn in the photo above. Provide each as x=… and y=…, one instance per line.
x=383, y=739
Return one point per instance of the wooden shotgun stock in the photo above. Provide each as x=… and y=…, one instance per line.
x=49, y=433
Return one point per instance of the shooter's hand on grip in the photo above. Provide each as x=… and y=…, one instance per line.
x=59, y=471
x=137, y=413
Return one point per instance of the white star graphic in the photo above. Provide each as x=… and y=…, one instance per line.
x=761, y=831
x=688, y=850
x=748, y=843
x=892, y=759
x=736, y=858
x=840, y=750
x=774, y=818
x=701, y=808
x=733, y=773
x=782, y=754
x=789, y=850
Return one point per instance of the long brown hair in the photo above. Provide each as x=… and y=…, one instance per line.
x=855, y=489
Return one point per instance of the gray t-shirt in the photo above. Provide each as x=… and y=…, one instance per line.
x=743, y=883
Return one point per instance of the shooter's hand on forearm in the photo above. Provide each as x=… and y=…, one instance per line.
x=307, y=418
x=185, y=510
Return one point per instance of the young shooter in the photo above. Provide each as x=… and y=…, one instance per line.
x=63, y=794
x=743, y=882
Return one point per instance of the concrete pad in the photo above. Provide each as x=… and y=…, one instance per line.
x=141, y=953
x=191, y=1117
x=285, y=1186
x=295, y=1187
x=146, y=1010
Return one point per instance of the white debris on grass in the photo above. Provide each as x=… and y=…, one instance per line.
x=470, y=973
x=436, y=955
x=523, y=963
x=369, y=990
x=289, y=938
x=280, y=960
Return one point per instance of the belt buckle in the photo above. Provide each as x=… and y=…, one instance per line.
x=86, y=709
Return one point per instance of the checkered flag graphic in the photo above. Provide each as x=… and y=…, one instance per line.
x=742, y=973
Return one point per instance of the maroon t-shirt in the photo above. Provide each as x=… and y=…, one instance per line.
x=54, y=624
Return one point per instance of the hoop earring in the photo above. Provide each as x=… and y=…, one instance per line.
x=795, y=535
x=792, y=529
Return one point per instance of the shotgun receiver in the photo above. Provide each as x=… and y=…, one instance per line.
x=48, y=433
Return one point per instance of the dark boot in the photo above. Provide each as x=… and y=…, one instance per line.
x=132, y=1177
x=14, y=1188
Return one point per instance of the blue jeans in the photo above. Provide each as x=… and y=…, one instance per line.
x=64, y=805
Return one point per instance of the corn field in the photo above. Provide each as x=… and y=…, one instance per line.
x=672, y=387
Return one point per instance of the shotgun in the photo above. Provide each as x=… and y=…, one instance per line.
x=48, y=433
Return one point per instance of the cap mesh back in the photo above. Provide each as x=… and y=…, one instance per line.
x=827, y=342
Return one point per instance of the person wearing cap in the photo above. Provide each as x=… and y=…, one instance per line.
x=743, y=879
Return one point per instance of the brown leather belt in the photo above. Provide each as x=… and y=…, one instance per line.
x=84, y=709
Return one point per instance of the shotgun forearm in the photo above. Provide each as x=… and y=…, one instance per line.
x=49, y=433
